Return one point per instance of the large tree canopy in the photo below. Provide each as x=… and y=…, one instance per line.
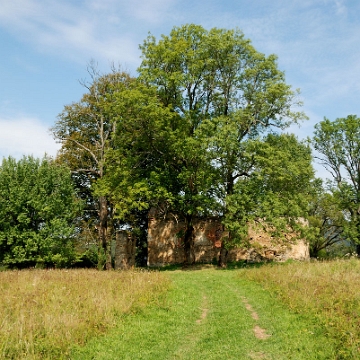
x=136, y=175
x=203, y=73
x=338, y=143
x=224, y=93
x=188, y=136
x=38, y=209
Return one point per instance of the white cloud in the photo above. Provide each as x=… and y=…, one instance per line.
x=318, y=42
x=77, y=32
x=97, y=29
x=25, y=136
x=340, y=7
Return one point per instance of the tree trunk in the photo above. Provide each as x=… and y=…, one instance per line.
x=189, y=242
x=222, y=262
x=358, y=233
x=223, y=253
x=223, y=257
x=103, y=232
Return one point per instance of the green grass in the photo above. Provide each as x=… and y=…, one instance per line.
x=45, y=312
x=309, y=310
x=205, y=316
x=326, y=291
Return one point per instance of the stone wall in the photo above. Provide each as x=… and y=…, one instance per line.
x=125, y=250
x=165, y=243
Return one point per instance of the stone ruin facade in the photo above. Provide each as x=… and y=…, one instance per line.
x=165, y=244
x=124, y=250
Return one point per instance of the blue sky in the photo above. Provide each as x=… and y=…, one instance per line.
x=47, y=45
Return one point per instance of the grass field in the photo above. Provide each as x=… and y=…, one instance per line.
x=327, y=291
x=290, y=311
x=44, y=313
x=213, y=314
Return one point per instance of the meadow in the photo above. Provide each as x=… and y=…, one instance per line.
x=274, y=311
x=45, y=312
x=327, y=291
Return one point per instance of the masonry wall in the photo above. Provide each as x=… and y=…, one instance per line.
x=165, y=244
x=125, y=250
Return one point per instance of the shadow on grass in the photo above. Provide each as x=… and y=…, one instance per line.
x=243, y=264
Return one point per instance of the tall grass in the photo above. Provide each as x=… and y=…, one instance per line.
x=329, y=291
x=43, y=313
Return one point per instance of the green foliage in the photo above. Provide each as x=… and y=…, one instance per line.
x=216, y=72
x=85, y=129
x=225, y=94
x=183, y=135
x=38, y=209
x=276, y=192
x=187, y=136
x=338, y=143
x=132, y=179
x=326, y=224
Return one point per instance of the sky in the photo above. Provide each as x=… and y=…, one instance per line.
x=46, y=46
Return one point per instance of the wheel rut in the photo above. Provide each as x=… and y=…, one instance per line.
x=258, y=331
x=204, y=309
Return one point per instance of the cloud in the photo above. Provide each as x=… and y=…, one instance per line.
x=25, y=136
x=76, y=32
x=83, y=30
x=318, y=44
x=340, y=7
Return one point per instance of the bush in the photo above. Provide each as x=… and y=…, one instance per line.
x=38, y=205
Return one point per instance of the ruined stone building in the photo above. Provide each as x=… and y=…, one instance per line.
x=165, y=244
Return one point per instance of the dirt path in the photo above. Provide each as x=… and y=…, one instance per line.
x=204, y=310
x=209, y=314
x=258, y=331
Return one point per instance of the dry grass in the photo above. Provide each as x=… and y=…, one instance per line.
x=330, y=291
x=43, y=313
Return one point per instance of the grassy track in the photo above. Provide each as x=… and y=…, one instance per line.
x=212, y=314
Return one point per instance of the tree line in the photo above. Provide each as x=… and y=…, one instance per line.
x=199, y=132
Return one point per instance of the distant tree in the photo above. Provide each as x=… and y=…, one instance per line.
x=338, y=144
x=224, y=93
x=84, y=130
x=326, y=221
x=38, y=209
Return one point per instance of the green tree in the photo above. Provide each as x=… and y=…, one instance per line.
x=38, y=209
x=140, y=139
x=224, y=93
x=136, y=173
x=84, y=130
x=338, y=145
x=326, y=221
x=275, y=193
